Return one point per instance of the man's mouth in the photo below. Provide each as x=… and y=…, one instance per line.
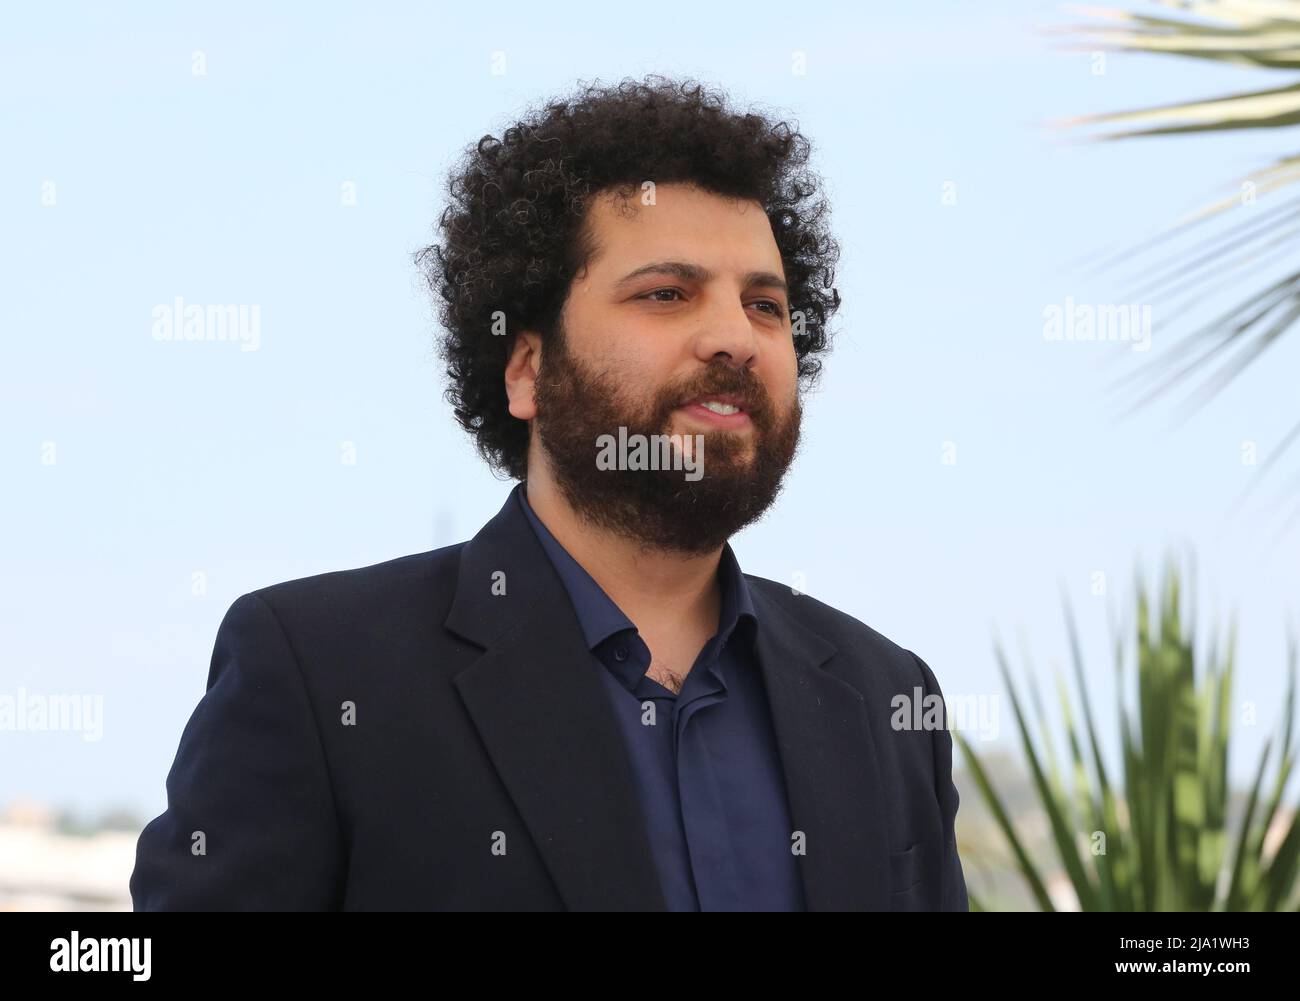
x=725, y=410
x=720, y=403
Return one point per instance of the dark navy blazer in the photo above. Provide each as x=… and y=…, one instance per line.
x=428, y=734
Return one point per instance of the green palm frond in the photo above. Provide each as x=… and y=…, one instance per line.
x=1261, y=109
x=1154, y=835
x=1265, y=35
x=1241, y=32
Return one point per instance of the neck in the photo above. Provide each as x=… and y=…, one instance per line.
x=655, y=588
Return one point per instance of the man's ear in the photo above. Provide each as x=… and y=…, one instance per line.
x=522, y=363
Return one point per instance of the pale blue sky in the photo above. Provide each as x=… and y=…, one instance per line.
x=181, y=457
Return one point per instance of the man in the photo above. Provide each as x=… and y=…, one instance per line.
x=587, y=706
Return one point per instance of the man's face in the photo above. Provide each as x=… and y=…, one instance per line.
x=684, y=302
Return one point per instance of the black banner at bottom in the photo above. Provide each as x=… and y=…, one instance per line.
x=905, y=951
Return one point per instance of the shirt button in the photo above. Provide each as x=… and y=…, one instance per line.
x=620, y=654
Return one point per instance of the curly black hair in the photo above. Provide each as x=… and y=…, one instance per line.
x=512, y=236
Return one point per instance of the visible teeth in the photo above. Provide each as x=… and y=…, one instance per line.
x=719, y=408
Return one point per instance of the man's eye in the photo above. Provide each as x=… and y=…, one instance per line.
x=774, y=308
x=660, y=291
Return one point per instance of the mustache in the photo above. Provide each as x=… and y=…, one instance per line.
x=747, y=389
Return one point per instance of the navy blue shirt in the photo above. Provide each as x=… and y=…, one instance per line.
x=707, y=773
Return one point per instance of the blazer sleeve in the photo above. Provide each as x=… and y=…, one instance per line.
x=952, y=892
x=250, y=822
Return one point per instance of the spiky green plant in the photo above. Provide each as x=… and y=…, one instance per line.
x=1161, y=822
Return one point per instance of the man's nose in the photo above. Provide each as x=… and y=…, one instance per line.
x=728, y=335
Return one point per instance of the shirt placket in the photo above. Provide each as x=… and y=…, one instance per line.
x=700, y=794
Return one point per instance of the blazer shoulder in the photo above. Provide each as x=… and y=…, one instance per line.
x=848, y=634
x=391, y=582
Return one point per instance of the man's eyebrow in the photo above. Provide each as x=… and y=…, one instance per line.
x=697, y=273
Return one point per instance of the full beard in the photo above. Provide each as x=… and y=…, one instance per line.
x=660, y=509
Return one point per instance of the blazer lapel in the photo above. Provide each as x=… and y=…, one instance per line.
x=538, y=705
x=540, y=709
x=828, y=755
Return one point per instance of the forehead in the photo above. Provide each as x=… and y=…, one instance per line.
x=684, y=222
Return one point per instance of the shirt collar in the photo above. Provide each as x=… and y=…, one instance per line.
x=601, y=618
